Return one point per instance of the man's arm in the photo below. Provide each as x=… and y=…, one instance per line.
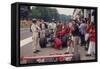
x=33, y=28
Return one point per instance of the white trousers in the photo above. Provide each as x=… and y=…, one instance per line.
x=70, y=49
x=91, y=49
x=86, y=36
x=35, y=43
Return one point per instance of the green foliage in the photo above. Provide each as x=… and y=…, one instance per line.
x=45, y=13
x=36, y=13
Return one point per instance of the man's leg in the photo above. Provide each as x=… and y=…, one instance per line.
x=90, y=48
x=37, y=44
x=34, y=45
x=75, y=44
x=93, y=48
x=82, y=40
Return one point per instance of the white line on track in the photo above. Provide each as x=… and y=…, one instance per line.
x=25, y=41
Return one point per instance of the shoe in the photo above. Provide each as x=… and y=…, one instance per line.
x=35, y=51
x=88, y=54
x=66, y=53
x=86, y=48
x=38, y=50
x=72, y=52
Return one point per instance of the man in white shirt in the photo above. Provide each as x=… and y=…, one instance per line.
x=35, y=36
x=52, y=27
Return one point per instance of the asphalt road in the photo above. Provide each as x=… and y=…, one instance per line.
x=26, y=50
x=25, y=33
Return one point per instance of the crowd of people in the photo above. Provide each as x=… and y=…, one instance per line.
x=61, y=35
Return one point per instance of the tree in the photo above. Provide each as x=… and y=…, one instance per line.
x=45, y=13
x=36, y=13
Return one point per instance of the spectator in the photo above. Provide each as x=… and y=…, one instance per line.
x=69, y=41
x=82, y=29
x=91, y=49
x=75, y=33
x=88, y=31
x=43, y=39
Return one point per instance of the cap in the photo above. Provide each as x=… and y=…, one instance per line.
x=34, y=19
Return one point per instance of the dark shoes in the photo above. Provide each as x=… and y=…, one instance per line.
x=88, y=54
x=66, y=53
x=36, y=51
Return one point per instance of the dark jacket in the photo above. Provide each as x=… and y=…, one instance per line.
x=76, y=31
